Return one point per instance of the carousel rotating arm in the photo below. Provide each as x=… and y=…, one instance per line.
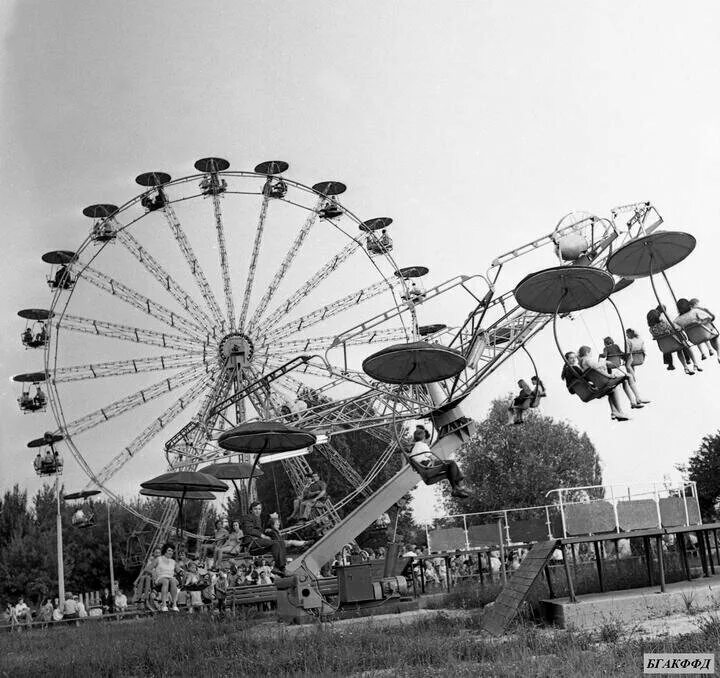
x=379, y=502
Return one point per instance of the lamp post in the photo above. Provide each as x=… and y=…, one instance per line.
x=58, y=524
x=110, y=552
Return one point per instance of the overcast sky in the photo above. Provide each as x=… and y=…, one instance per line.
x=476, y=125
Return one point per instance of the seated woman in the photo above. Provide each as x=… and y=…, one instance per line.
x=27, y=337
x=612, y=353
x=273, y=531
x=164, y=568
x=539, y=390
x=703, y=346
x=520, y=403
x=219, y=538
x=659, y=327
x=232, y=545
x=572, y=371
x=635, y=347
x=421, y=455
x=629, y=384
x=692, y=316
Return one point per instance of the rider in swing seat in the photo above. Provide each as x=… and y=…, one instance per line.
x=421, y=455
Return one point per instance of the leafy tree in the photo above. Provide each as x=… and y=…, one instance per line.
x=704, y=468
x=509, y=466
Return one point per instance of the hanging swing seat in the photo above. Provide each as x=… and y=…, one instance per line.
x=537, y=396
x=615, y=359
x=592, y=384
x=637, y=358
x=84, y=520
x=670, y=342
x=430, y=475
x=701, y=331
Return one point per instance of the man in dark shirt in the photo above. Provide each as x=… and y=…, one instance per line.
x=107, y=601
x=257, y=542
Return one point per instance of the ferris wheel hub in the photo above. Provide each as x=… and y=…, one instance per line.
x=236, y=347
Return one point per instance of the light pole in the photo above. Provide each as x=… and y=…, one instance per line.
x=60, y=566
x=110, y=552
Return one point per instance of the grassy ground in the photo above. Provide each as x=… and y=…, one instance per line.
x=170, y=645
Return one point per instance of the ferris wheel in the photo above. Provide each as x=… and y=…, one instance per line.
x=216, y=299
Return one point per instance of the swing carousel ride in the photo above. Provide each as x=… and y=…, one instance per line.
x=295, y=347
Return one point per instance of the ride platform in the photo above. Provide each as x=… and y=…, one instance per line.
x=592, y=611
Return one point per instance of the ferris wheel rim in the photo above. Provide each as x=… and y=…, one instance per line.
x=107, y=213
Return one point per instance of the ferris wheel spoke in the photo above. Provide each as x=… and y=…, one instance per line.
x=132, y=401
x=225, y=269
x=253, y=260
x=194, y=264
x=139, y=301
x=129, y=366
x=321, y=314
x=164, y=278
x=285, y=265
x=153, y=429
x=102, y=328
x=302, y=292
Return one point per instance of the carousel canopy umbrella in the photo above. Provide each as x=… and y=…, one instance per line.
x=177, y=494
x=564, y=289
x=231, y=471
x=415, y=363
x=211, y=165
x=102, y=211
x=375, y=224
x=426, y=330
x=652, y=254
x=621, y=284
x=47, y=439
x=265, y=437
x=271, y=167
x=412, y=272
x=30, y=377
x=83, y=494
x=185, y=481
x=35, y=314
x=330, y=188
x=58, y=257
x=151, y=179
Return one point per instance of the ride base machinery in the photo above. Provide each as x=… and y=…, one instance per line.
x=298, y=347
